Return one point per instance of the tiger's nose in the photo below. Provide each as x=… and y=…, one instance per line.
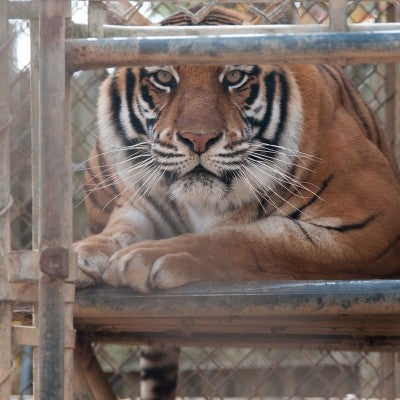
x=199, y=142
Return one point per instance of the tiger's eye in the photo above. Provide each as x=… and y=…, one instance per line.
x=164, y=77
x=234, y=76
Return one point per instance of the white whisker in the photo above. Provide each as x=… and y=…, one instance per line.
x=261, y=183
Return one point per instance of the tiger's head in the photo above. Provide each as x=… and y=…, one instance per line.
x=209, y=136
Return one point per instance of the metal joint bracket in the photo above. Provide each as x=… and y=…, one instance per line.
x=55, y=261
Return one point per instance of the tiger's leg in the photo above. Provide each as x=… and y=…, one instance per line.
x=276, y=247
x=159, y=372
x=123, y=229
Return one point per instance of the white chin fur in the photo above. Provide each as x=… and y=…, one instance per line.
x=203, y=191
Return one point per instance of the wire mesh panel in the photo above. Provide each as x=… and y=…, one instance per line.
x=204, y=371
x=253, y=373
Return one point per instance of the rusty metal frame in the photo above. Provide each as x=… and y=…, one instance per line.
x=331, y=48
x=6, y=365
x=338, y=43
x=55, y=204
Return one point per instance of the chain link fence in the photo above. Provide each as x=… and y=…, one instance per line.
x=256, y=373
x=204, y=371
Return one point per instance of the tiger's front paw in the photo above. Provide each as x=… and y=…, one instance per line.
x=94, y=255
x=174, y=270
x=161, y=264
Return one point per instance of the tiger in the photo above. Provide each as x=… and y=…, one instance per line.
x=235, y=173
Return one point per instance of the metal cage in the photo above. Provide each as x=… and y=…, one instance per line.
x=39, y=308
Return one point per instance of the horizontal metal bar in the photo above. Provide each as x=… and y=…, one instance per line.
x=23, y=265
x=330, y=48
x=278, y=340
x=22, y=10
x=28, y=10
x=27, y=292
x=81, y=30
x=341, y=314
x=29, y=335
x=22, y=292
x=245, y=299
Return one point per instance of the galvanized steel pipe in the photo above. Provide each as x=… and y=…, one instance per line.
x=6, y=365
x=323, y=47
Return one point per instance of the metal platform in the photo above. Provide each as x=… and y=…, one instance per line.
x=356, y=315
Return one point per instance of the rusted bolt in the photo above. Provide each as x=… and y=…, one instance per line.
x=55, y=261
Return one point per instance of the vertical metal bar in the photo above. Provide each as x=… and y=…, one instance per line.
x=5, y=204
x=34, y=95
x=68, y=313
x=392, y=87
x=95, y=18
x=55, y=214
x=338, y=15
x=392, y=90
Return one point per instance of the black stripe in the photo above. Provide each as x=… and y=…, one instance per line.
x=283, y=105
x=157, y=373
x=116, y=107
x=162, y=212
x=168, y=164
x=265, y=151
x=231, y=155
x=166, y=387
x=115, y=111
x=254, y=92
x=228, y=177
x=349, y=227
x=144, y=91
x=270, y=86
x=167, y=155
x=130, y=90
x=306, y=234
x=157, y=355
x=296, y=214
x=270, y=94
x=166, y=144
x=171, y=177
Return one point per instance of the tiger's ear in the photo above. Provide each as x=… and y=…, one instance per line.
x=122, y=12
x=275, y=14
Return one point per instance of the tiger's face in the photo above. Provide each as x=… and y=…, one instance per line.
x=208, y=135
